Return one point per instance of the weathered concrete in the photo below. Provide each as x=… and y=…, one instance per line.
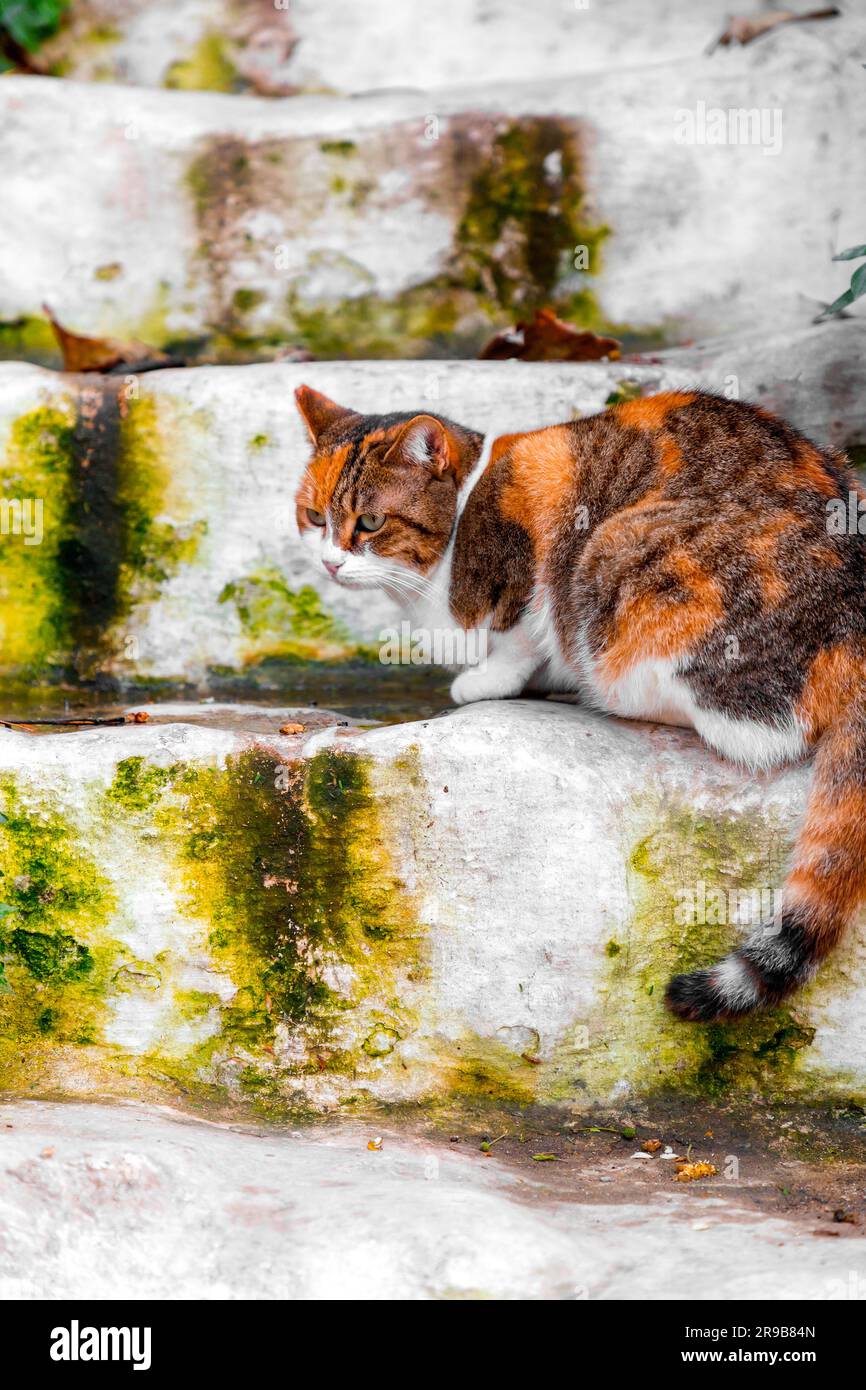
x=125, y=1202
x=480, y=908
x=185, y=564
x=411, y=224
x=283, y=48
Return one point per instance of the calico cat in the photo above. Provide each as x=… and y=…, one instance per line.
x=678, y=558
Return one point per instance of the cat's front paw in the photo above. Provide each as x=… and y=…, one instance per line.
x=481, y=684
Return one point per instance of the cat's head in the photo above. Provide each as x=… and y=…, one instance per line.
x=379, y=494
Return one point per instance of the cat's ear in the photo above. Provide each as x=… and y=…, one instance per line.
x=318, y=411
x=423, y=441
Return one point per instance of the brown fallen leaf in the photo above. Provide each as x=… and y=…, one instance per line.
x=690, y=1172
x=548, y=339
x=139, y=717
x=291, y=728
x=743, y=28
x=651, y=1146
x=47, y=1153
x=374, y=1145
x=82, y=354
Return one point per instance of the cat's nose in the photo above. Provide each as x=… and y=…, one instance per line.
x=332, y=566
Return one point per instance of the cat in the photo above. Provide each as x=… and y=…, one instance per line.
x=678, y=557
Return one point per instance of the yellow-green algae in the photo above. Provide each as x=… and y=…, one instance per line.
x=118, y=519
x=207, y=69
x=56, y=952
x=291, y=624
x=161, y=529
x=39, y=465
x=524, y=237
x=630, y=1038
x=289, y=868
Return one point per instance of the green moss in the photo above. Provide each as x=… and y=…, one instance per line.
x=138, y=784
x=116, y=524
x=518, y=206
x=632, y=1038
x=159, y=532
x=625, y=391
x=29, y=339
x=288, y=865
x=104, y=33
x=288, y=623
x=338, y=147
x=55, y=950
x=208, y=68
x=612, y=949
x=244, y=300
x=259, y=441
x=40, y=466
x=529, y=194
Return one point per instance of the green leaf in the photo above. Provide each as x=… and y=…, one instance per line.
x=841, y=303
x=852, y=254
x=858, y=282
x=545, y=1158
x=5, y=987
x=31, y=22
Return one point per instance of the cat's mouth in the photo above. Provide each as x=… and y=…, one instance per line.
x=346, y=581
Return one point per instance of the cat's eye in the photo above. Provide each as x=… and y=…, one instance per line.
x=317, y=518
x=370, y=521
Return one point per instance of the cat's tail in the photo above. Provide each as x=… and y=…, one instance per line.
x=825, y=886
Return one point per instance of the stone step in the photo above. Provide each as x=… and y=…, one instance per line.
x=481, y=909
x=97, y=1200
x=169, y=551
x=413, y=224
x=281, y=49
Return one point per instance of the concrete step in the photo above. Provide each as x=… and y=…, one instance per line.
x=280, y=49
x=478, y=910
x=96, y=1201
x=169, y=551
x=412, y=224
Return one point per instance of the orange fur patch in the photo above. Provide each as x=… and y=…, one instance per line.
x=543, y=470
x=763, y=546
x=650, y=412
x=834, y=678
x=807, y=471
x=323, y=474
x=651, y=626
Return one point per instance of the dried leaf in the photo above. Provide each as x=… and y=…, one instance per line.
x=82, y=354
x=374, y=1144
x=548, y=339
x=744, y=28
x=291, y=728
x=651, y=1146
x=139, y=717
x=690, y=1172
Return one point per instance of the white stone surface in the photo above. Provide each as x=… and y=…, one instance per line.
x=244, y=491
x=705, y=238
x=338, y=47
x=99, y=1202
x=530, y=839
